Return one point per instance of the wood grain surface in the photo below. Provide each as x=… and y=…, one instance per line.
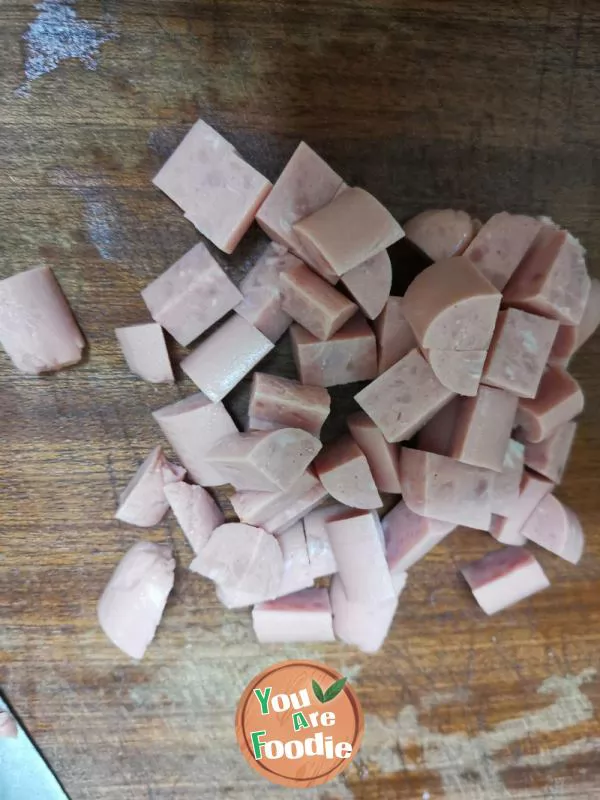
x=486, y=106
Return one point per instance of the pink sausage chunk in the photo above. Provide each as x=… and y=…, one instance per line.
x=320, y=554
x=296, y=510
x=483, y=427
x=350, y=355
x=506, y=486
x=191, y=295
x=504, y=577
x=37, y=327
x=312, y=302
x=218, y=191
x=519, y=352
x=459, y=371
x=348, y=231
x=370, y=284
x=447, y=490
x=441, y=233
x=344, y=472
x=404, y=398
x=552, y=280
x=364, y=625
x=135, y=597
x=195, y=511
x=383, y=458
x=145, y=352
x=262, y=508
x=558, y=400
x=556, y=528
x=437, y=434
x=409, y=537
x=8, y=726
x=296, y=566
x=301, y=617
x=277, y=402
x=501, y=245
x=395, y=338
x=550, y=456
x=192, y=426
x=506, y=528
x=220, y=362
x=571, y=337
x=143, y=501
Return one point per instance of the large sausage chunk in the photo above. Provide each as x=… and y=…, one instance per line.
x=300, y=617
x=145, y=352
x=549, y=457
x=344, y=472
x=364, y=625
x=507, y=524
x=277, y=402
x=143, y=501
x=409, y=537
x=441, y=233
x=558, y=400
x=394, y=335
x=370, y=284
x=556, y=528
x=571, y=337
x=382, y=457
x=483, y=427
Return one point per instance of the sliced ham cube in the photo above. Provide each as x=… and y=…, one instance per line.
x=264, y=461
x=445, y=489
x=383, y=458
x=459, y=371
x=306, y=184
x=571, y=337
x=370, y=284
x=550, y=456
x=135, y=597
x=143, y=501
x=218, y=191
x=452, y=306
x=483, y=427
x=506, y=488
x=441, y=233
x=519, y=352
x=192, y=426
x=220, y=362
x=553, y=279
x=559, y=400
x=256, y=508
x=504, y=577
x=320, y=554
x=395, y=338
x=349, y=230
x=344, y=472
x=296, y=565
x=277, y=402
x=556, y=528
x=349, y=356
x=191, y=295
x=300, y=617
x=404, y=398
x=312, y=302
x=501, y=245
x=195, y=511
x=145, y=352
x=437, y=434
x=261, y=289
x=358, y=544
x=506, y=528
x=409, y=537
x=364, y=625
x=37, y=328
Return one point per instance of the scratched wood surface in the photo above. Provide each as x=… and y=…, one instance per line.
x=486, y=106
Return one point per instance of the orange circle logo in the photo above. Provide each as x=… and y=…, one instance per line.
x=299, y=723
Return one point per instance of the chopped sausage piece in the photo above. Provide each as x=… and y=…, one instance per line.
x=506, y=527
x=364, y=624
x=300, y=617
x=261, y=289
x=458, y=370
x=571, y=337
x=350, y=355
x=558, y=400
x=195, y=511
x=8, y=726
x=556, y=528
x=37, y=327
x=504, y=577
x=312, y=302
x=135, y=597
x=519, y=352
x=256, y=508
x=306, y=184
x=506, y=486
x=349, y=230
x=436, y=435
x=549, y=457
x=220, y=362
x=192, y=426
x=370, y=284
x=264, y=461
x=145, y=352
x=452, y=306
x=191, y=295
x=483, y=427
x=241, y=558
x=404, y=398
x=501, y=245
x=441, y=233
x=296, y=566
x=383, y=458
x=218, y=191
x=296, y=510
x=409, y=537
x=320, y=554
x=552, y=280
x=445, y=489
x=394, y=335
x=344, y=471
x=358, y=544
x=277, y=402
x=143, y=501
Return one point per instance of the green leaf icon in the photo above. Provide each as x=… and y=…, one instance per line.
x=335, y=689
x=318, y=692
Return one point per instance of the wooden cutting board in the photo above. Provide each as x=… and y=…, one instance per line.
x=427, y=104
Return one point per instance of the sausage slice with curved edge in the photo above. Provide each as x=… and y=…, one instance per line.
x=143, y=501
x=383, y=458
x=344, y=472
x=459, y=371
x=195, y=511
x=571, y=337
x=441, y=233
x=558, y=400
x=556, y=528
x=395, y=338
x=145, y=351
x=549, y=457
x=370, y=284
x=506, y=526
